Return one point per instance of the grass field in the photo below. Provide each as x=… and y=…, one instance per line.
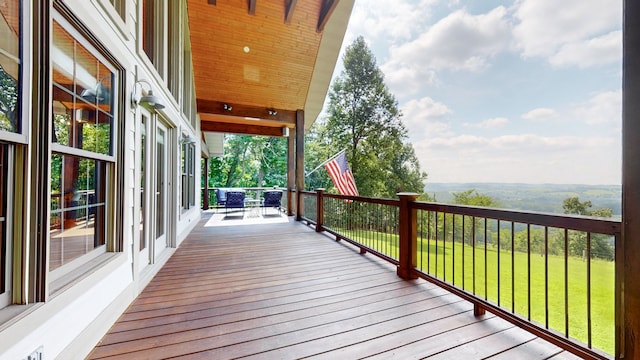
x=455, y=264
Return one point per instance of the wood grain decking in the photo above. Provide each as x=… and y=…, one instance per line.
x=282, y=291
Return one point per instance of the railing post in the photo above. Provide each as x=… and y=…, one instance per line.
x=289, y=202
x=205, y=191
x=319, y=209
x=408, y=236
x=299, y=205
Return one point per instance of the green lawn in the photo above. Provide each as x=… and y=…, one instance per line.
x=602, y=283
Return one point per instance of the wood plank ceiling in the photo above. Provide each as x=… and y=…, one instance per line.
x=257, y=62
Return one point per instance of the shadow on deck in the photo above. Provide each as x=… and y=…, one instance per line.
x=271, y=288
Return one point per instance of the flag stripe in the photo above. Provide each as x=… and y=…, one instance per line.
x=341, y=175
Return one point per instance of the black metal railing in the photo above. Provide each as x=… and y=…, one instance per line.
x=553, y=275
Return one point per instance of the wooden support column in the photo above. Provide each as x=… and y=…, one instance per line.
x=408, y=237
x=299, y=162
x=629, y=272
x=205, y=191
x=291, y=171
x=319, y=209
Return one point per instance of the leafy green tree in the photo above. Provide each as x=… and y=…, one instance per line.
x=8, y=101
x=573, y=205
x=250, y=161
x=474, y=198
x=363, y=117
x=600, y=244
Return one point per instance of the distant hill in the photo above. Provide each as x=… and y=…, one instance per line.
x=534, y=197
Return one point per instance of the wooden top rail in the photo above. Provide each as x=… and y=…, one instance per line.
x=571, y=222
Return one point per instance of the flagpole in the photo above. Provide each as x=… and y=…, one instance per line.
x=331, y=158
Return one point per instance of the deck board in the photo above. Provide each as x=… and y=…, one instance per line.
x=280, y=290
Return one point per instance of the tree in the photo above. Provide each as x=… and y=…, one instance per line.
x=8, y=101
x=573, y=205
x=600, y=244
x=250, y=161
x=474, y=198
x=363, y=117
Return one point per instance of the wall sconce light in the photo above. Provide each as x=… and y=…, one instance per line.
x=99, y=94
x=272, y=112
x=149, y=101
x=285, y=131
x=187, y=139
x=227, y=107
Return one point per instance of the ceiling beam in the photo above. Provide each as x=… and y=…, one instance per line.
x=247, y=129
x=252, y=7
x=288, y=117
x=290, y=5
x=325, y=12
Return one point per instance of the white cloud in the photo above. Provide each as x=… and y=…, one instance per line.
x=553, y=29
x=540, y=114
x=426, y=118
x=460, y=41
x=604, y=108
x=390, y=20
x=604, y=49
x=489, y=123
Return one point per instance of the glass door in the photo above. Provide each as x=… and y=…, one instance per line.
x=160, y=200
x=144, y=257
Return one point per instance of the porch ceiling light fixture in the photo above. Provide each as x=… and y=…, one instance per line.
x=149, y=101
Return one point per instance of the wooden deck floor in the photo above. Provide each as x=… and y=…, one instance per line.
x=281, y=291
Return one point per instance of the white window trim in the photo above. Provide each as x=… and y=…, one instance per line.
x=6, y=298
x=108, y=9
x=25, y=106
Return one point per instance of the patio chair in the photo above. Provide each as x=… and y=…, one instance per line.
x=221, y=196
x=272, y=198
x=234, y=200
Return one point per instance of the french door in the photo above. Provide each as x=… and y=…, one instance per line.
x=161, y=189
x=154, y=197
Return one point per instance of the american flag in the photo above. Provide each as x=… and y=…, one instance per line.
x=341, y=175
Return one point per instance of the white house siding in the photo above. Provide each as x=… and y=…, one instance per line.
x=70, y=322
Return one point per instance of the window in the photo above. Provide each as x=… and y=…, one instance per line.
x=82, y=161
x=10, y=65
x=188, y=175
x=119, y=6
x=173, y=46
x=153, y=34
x=11, y=82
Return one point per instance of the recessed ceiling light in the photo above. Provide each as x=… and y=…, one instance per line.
x=246, y=49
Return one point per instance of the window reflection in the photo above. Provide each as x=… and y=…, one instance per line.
x=77, y=207
x=82, y=96
x=10, y=65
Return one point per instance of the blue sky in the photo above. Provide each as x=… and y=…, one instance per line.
x=503, y=91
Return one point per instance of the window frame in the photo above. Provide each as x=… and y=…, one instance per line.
x=158, y=31
x=187, y=175
x=6, y=297
x=119, y=18
x=25, y=58
x=82, y=37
